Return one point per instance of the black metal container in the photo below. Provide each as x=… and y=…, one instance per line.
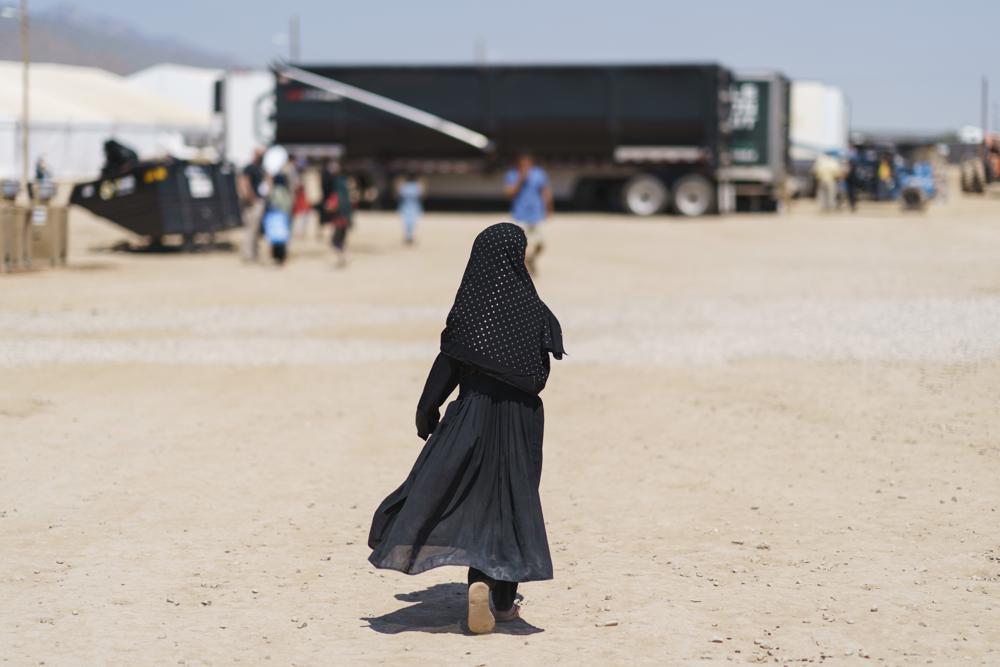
x=155, y=199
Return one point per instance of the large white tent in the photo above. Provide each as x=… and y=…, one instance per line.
x=74, y=110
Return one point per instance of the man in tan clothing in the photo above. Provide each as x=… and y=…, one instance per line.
x=827, y=171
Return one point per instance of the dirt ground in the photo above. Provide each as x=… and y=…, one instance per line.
x=775, y=440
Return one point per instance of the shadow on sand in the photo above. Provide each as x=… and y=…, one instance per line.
x=156, y=248
x=440, y=608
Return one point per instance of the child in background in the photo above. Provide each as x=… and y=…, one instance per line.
x=277, y=219
x=410, y=209
x=530, y=193
x=335, y=207
x=301, y=206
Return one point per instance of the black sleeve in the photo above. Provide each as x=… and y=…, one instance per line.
x=441, y=381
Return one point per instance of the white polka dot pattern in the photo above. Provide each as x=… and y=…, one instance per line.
x=498, y=322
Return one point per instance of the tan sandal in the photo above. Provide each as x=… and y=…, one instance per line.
x=480, y=618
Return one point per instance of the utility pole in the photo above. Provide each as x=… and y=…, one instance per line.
x=293, y=39
x=25, y=58
x=985, y=112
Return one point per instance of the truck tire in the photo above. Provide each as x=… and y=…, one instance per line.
x=914, y=199
x=694, y=195
x=644, y=194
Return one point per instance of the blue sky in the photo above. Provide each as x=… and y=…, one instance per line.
x=905, y=65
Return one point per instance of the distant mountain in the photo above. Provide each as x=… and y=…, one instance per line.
x=67, y=34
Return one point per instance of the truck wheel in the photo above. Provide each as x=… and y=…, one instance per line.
x=644, y=194
x=913, y=199
x=694, y=195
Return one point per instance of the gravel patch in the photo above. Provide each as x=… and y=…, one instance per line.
x=676, y=333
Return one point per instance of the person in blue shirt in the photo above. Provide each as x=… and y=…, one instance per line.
x=410, y=192
x=527, y=187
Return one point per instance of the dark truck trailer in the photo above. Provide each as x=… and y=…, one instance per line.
x=649, y=137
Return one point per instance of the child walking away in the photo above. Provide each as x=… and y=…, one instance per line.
x=336, y=208
x=527, y=186
x=277, y=218
x=471, y=498
x=410, y=210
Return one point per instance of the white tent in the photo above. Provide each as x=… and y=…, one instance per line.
x=74, y=110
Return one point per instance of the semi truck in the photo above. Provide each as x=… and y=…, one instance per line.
x=646, y=138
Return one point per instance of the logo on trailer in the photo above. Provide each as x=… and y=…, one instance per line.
x=746, y=107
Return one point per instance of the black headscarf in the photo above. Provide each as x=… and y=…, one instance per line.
x=498, y=324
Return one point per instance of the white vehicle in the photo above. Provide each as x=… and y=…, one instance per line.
x=244, y=109
x=820, y=124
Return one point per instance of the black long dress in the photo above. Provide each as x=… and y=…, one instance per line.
x=471, y=498
x=472, y=495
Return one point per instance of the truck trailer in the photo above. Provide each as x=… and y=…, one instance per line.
x=646, y=138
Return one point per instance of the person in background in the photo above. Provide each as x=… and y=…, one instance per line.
x=852, y=181
x=300, y=207
x=335, y=208
x=42, y=173
x=277, y=218
x=324, y=215
x=885, y=179
x=827, y=171
x=527, y=187
x=939, y=163
x=253, y=189
x=410, y=191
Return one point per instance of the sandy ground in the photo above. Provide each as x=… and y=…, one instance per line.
x=775, y=440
